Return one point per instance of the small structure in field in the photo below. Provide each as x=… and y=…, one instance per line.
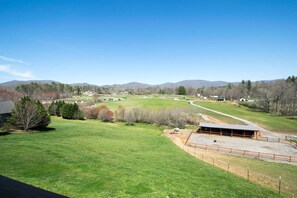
x=175, y=130
x=6, y=107
x=221, y=98
x=229, y=130
x=243, y=100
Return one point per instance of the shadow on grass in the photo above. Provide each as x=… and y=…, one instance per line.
x=45, y=130
x=4, y=133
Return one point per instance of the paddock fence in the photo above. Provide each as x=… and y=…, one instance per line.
x=278, y=184
x=258, y=155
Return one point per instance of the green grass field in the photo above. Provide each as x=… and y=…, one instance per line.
x=94, y=159
x=266, y=120
x=152, y=102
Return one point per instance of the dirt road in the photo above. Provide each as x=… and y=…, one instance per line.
x=265, y=133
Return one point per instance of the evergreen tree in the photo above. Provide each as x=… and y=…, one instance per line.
x=249, y=85
x=181, y=90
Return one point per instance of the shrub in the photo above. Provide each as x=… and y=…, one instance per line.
x=71, y=111
x=91, y=112
x=105, y=114
x=120, y=114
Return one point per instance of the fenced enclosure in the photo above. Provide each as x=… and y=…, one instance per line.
x=259, y=155
x=276, y=183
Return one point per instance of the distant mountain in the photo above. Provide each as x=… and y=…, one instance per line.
x=83, y=84
x=129, y=85
x=194, y=84
x=20, y=82
x=186, y=83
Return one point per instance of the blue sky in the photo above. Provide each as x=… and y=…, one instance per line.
x=149, y=41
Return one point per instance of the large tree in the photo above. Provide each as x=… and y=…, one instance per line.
x=29, y=114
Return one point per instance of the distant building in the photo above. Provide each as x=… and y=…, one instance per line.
x=6, y=107
x=221, y=98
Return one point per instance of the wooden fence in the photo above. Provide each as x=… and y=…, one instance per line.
x=245, y=152
x=278, y=184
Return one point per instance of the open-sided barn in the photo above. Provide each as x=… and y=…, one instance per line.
x=229, y=130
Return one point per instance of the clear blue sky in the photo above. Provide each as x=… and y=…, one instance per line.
x=149, y=41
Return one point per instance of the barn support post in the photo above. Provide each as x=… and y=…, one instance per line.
x=248, y=174
x=188, y=138
x=279, y=184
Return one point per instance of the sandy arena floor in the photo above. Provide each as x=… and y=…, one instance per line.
x=244, y=144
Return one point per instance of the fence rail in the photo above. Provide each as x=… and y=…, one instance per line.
x=245, y=152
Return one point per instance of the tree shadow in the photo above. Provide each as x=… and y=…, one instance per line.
x=46, y=130
x=4, y=133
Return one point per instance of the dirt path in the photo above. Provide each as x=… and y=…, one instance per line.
x=264, y=132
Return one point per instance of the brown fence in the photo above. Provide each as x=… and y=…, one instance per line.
x=245, y=152
x=278, y=184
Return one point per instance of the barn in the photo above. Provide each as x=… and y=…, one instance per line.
x=229, y=130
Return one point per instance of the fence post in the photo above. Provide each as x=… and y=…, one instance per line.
x=290, y=158
x=202, y=157
x=205, y=147
x=243, y=152
x=228, y=167
x=248, y=174
x=279, y=184
x=213, y=161
x=273, y=156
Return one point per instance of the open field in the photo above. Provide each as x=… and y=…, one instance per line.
x=265, y=120
x=94, y=159
x=151, y=102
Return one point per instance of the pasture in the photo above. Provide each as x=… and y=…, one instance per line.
x=151, y=102
x=268, y=121
x=95, y=159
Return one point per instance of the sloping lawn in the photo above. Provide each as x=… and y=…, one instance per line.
x=266, y=120
x=94, y=159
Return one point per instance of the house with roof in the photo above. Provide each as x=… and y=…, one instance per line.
x=6, y=107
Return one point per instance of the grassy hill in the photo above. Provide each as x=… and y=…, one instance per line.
x=266, y=120
x=94, y=159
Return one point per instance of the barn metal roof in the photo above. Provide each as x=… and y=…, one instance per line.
x=6, y=106
x=229, y=126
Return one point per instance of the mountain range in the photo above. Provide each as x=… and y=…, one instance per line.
x=186, y=83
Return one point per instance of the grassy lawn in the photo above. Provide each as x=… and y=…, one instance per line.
x=154, y=103
x=266, y=120
x=93, y=159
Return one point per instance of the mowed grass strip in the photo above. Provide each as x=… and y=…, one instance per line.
x=266, y=120
x=94, y=159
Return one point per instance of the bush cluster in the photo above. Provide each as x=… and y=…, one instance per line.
x=66, y=110
x=102, y=113
x=171, y=117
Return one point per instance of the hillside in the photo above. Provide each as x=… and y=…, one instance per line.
x=114, y=160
